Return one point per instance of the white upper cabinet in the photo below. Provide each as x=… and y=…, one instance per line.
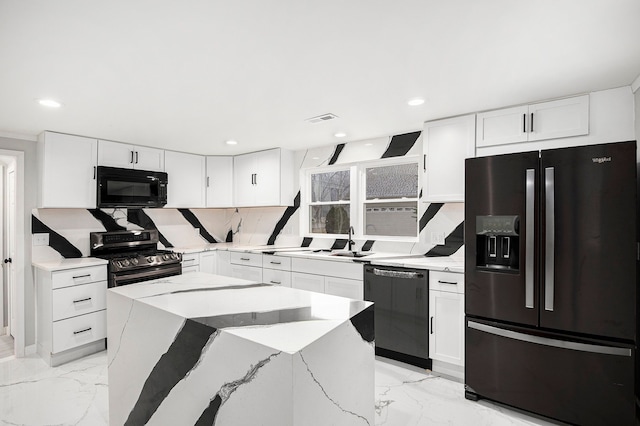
x=263, y=178
x=186, y=174
x=116, y=154
x=67, y=171
x=546, y=120
x=446, y=144
x=219, y=181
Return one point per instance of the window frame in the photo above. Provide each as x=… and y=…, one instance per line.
x=357, y=194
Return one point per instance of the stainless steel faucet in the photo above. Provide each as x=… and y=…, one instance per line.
x=350, y=242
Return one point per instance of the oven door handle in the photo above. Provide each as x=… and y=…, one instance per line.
x=396, y=274
x=143, y=274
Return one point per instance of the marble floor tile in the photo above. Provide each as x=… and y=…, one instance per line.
x=32, y=394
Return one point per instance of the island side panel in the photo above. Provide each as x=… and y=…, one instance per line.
x=236, y=382
x=137, y=337
x=333, y=378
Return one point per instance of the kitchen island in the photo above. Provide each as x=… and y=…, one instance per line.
x=199, y=349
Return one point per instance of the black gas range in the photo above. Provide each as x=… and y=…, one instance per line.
x=133, y=256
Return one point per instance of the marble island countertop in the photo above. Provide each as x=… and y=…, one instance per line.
x=201, y=348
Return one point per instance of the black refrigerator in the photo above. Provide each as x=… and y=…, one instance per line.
x=551, y=299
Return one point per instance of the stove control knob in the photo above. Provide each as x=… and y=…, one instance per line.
x=174, y=255
x=165, y=256
x=125, y=262
x=117, y=263
x=150, y=259
x=134, y=261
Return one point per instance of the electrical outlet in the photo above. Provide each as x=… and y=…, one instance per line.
x=40, y=239
x=197, y=231
x=437, y=237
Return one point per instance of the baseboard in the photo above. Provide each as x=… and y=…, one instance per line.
x=30, y=350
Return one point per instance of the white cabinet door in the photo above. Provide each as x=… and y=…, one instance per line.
x=250, y=273
x=190, y=261
x=276, y=277
x=186, y=174
x=502, y=126
x=146, y=158
x=308, y=282
x=545, y=120
x=446, y=328
x=267, y=178
x=219, y=181
x=243, y=180
x=446, y=144
x=209, y=262
x=224, y=263
x=559, y=119
x=352, y=289
x=116, y=154
x=67, y=167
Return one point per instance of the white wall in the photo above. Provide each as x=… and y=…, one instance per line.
x=30, y=191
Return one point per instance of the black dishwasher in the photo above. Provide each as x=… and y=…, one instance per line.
x=401, y=309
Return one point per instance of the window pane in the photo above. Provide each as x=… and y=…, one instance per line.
x=329, y=219
x=397, y=181
x=392, y=219
x=330, y=186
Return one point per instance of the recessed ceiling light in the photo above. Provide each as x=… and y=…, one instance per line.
x=49, y=103
x=231, y=142
x=415, y=102
x=340, y=134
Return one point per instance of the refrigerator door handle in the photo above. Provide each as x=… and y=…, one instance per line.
x=549, y=240
x=547, y=341
x=530, y=238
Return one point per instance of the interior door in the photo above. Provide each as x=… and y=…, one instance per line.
x=589, y=224
x=11, y=239
x=502, y=185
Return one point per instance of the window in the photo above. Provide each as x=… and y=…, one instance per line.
x=383, y=205
x=330, y=202
x=390, y=203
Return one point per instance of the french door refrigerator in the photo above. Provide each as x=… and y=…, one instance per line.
x=551, y=297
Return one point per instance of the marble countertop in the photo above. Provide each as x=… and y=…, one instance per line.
x=63, y=264
x=258, y=311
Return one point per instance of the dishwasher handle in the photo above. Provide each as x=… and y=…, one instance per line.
x=397, y=274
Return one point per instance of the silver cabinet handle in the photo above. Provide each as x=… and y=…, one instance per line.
x=431, y=325
x=188, y=260
x=530, y=237
x=86, y=299
x=246, y=259
x=549, y=243
x=131, y=157
x=275, y=263
x=94, y=172
x=447, y=282
x=82, y=331
x=136, y=157
x=531, y=124
x=207, y=181
x=275, y=282
x=524, y=123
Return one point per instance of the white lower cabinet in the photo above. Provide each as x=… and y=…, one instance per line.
x=223, y=263
x=308, y=282
x=71, y=313
x=251, y=273
x=352, y=289
x=446, y=322
x=276, y=277
x=190, y=262
x=209, y=262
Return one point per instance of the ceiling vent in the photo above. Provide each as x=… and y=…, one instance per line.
x=321, y=118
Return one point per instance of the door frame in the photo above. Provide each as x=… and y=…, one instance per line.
x=20, y=252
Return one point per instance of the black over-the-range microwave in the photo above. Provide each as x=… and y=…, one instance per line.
x=118, y=187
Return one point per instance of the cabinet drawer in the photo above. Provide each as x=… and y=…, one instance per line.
x=77, y=300
x=194, y=268
x=276, y=262
x=249, y=259
x=77, y=276
x=446, y=281
x=307, y=282
x=77, y=331
x=190, y=259
x=276, y=277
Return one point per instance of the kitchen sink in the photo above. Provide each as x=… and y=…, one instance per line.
x=350, y=254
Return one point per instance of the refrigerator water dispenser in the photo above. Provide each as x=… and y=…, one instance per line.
x=498, y=240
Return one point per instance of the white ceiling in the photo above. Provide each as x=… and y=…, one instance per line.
x=188, y=75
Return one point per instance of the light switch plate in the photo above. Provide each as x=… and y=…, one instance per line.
x=41, y=239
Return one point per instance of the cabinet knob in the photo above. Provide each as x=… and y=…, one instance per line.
x=8, y=260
